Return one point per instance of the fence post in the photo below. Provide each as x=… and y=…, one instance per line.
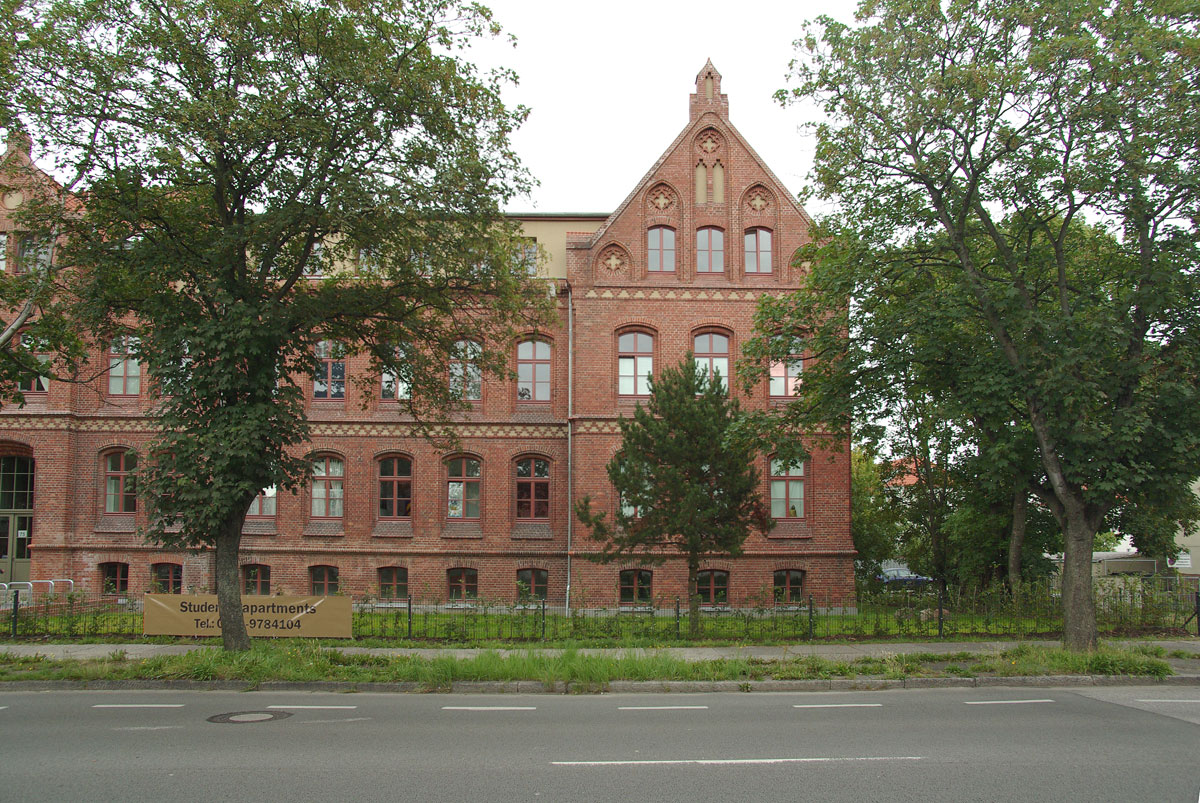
x=810, y=617
x=676, y=618
x=941, y=602
x=1197, y=613
x=16, y=608
x=543, y=618
x=410, y=617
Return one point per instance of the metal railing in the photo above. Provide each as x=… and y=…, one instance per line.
x=1033, y=611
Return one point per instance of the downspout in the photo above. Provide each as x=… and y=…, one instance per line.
x=570, y=445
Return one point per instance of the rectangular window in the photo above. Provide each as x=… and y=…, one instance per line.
x=531, y=583
x=635, y=363
x=263, y=506
x=33, y=384
x=33, y=254
x=466, y=379
x=462, y=489
x=120, y=483
x=329, y=375
x=256, y=579
x=124, y=371
x=533, y=489
x=463, y=583
x=533, y=371
x=758, y=251
x=635, y=585
x=114, y=578
x=324, y=580
x=395, y=488
x=660, y=250
x=3, y=251
x=529, y=257
x=393, y=582
x=167, y=577
x=327, y=488
x=710, y=251
x=787, y=490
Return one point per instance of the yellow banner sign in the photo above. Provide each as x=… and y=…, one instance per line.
x=196, y=615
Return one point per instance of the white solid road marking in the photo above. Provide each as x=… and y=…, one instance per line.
x=139, y=705
x=150, y=728
x=322, y=721
x=840, y=705
x=315, y=707
x=1004, y=702
x=2, y=707
x=721, y=761
x=488, y=708
x=662, y=708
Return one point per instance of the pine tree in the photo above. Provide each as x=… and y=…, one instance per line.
x=684, y=478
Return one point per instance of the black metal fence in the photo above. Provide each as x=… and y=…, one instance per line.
x=1128, y=606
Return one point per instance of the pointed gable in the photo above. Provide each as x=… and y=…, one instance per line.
x=708, y=211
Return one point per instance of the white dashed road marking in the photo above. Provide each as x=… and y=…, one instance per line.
x=662, y=708
x=150, y=728
x=723, y=761
x=840, y=705
x=139, y=705
x=315, y=707
x=324, y=721
x=489, y=708
x=1004, y=702
x=1169, y=701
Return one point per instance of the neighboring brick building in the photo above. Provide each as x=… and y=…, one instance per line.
x=679, y=265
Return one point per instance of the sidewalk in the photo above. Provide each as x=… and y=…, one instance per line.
x=833, y=652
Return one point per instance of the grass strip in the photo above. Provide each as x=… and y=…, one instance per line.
x=307, y=662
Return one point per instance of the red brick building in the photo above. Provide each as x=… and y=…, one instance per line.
x=678, y=266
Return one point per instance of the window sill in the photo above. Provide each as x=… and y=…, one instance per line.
x=791, y=528
x=326, y=528
x=117, y=523
x=398, y=528
x=259, y=527
x=462, y=529
x=532, y=529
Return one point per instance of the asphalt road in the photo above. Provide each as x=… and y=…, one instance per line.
x=994, y=744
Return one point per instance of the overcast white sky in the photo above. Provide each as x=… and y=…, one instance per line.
x=608, y=83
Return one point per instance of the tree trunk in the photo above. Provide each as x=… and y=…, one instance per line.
x=693, y=600
x=1016, y=539
x=229, y=590
x=1079, y=607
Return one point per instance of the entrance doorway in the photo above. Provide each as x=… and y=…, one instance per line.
x=16, y=517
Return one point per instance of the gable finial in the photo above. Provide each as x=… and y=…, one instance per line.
x=708, y=95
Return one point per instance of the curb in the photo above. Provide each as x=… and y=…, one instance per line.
x=613, y=687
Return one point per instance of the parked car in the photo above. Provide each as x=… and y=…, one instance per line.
x=901, y=578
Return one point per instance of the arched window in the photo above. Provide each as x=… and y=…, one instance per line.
x=789, y=585
x=328, y=490
x=462, y=583
x=167, y=578
x=395, y=488
x=329, y=375
x=114, y=578
x=533, y=489
x=124, y=371
x=464, y=476
x=256, y=579
x=758, y=251
x=787, y=490
x=533, y=372
x=531, y=583
x=635, y=363
x=324, y=580
x=711, y=352
x=713, y=586
x=710, y=250
x=660, y=249
x=393, y=582
x=636, y=585
x=785, y=375
x=466, y=379
x=263, y=506
x=120, y=483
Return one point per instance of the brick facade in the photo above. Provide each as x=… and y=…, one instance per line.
x=709, y=178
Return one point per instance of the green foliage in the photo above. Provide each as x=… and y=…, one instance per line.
x=261, y=177
x=684, y=475
x=873, y=521
x=1016, y=238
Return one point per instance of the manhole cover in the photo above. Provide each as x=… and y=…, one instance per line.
x=244, y=717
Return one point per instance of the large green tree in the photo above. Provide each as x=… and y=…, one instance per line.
x=1001, y=126
x=262, y=177
x=684, y=477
